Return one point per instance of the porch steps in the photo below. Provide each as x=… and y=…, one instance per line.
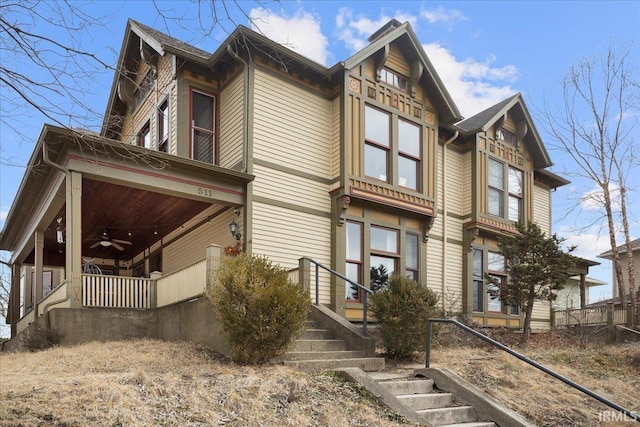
x=434, y=407
x=317, y=350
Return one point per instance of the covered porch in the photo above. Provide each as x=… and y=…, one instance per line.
x=98, y=223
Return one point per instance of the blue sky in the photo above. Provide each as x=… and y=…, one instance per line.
x=483, y=51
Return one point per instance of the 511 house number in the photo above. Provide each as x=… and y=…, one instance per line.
x=205, y=192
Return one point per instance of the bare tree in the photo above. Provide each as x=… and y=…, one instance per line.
x=5, y=289
x=595, y=127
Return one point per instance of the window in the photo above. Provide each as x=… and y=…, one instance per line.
x=496, y=269
x=377, y=135
x=163, y=127
x=144, y=136
x=506, y=136
x=496, y=191
x=383, y=258
x=394, y=79
x=143, y=89
x=202, y=127
x=378, y=152
x=382, y=251
x=478, y=281
x=354, y=260
x=412, y=257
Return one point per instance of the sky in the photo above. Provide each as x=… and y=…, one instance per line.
x=483, y=51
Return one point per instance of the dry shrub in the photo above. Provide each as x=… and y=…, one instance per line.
x=261, y=309
x=402, y=309
x=41, y=338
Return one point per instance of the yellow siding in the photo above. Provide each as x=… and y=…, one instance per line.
x=433, y=279
x=467, y=197
x=455, y=256
x=292, y=126
x=542, y=208
x=231, y=123
x=335, y=138
x=396, y=61
x=305, y=235
x=455, y=180
x=192, y=247
x=277, y=185
x=541, y=312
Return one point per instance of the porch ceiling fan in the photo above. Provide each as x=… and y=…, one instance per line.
x=106, y=241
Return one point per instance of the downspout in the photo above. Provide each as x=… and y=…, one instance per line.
x=444, y=217
x=67, y=172
x=45, y=310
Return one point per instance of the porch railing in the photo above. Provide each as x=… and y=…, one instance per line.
x=116, y=292
x=590, y=316
x=183, y=284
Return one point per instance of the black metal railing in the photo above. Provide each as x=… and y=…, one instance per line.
x=365, y=291
x=565, y=380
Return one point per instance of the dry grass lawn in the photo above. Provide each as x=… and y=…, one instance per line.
x=611, y=371
x=155, y=383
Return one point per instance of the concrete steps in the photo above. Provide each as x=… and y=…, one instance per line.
x=317, y=349
x=434, y=407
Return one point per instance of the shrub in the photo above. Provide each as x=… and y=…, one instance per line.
x=262, y=311
x=41, y=338
x=402, y=310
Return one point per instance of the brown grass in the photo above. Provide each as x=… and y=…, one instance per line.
x=611, y=371
x=145, y=383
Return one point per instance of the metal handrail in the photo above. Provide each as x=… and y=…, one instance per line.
x=565, y=380
x=346, y=279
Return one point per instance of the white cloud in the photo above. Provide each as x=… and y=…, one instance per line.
x=590, y=243
x=300, y=32
x=593, y=200
x=473, y=85
x=354, y=31
x=440, y=14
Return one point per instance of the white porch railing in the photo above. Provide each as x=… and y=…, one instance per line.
x=182, y=285
x=591, y=316
x=116, y=292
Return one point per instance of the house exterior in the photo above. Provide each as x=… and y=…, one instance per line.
x=361, y=165
x=624, y=263
x=569, y=297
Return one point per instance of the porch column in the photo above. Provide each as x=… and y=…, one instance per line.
x=73, y=245
x=38, y=265
x=213, y=262
x=583, y=291
x=14, y=314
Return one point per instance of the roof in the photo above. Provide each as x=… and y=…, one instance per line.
x=635, y=246
x=589, y=281
x=484, y=120
x=165, y=42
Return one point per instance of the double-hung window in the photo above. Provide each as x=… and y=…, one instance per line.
x=387, y=152
x=203, y=138
x=143, y=139
x=502, y=179
x=478, y=281
x=412, y=257
x=496, y=269
x=383, y=257
x=163, y=127
x=354, y=259
x=377, y=149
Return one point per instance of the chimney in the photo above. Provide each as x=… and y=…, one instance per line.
x=389, y=26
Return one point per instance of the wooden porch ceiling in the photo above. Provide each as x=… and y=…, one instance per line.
x=126, y=214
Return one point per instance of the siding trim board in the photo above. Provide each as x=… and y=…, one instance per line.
x=295, y=172
x=291, y=206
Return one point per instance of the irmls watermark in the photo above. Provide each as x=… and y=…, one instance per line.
x=616, y=416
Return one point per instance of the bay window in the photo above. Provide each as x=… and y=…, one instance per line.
x=353, y=268
x=377, y=136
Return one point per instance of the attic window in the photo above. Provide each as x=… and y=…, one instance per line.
x=143, y=89
x=394, y=79
x=506, y=136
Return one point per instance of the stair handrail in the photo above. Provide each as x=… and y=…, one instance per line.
x=346, y=279
x=524, y=358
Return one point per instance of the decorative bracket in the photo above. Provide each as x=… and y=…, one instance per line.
x=380, y=60
x=416, y=73
x=428, y=223
x=343, y=205
x=471, y=234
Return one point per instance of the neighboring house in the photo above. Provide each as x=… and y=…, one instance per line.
x=624, y=262
x=361, y=165
x=569, y=296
